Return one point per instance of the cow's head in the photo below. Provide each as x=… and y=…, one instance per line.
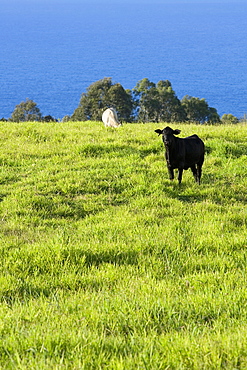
x=168, y=135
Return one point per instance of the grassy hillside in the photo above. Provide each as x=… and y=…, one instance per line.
x=105, y=263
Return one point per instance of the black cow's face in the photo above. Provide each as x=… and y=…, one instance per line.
x=168, y=135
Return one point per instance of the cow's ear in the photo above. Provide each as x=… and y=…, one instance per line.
x=158, y=131
x=176, y=132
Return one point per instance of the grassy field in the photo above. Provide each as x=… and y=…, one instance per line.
x=106, y=264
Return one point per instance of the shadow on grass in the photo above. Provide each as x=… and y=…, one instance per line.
x=193, y=198
x=212, y=188
x=87, y=258
x=208, y=149
x=23, y=293
x=99, y=150
x=2, y=196
x=119, y=258
x=59, y=207
x=113, y=150
x=175, y=191
x=80, y=262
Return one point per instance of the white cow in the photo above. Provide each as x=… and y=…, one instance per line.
x=110, y=119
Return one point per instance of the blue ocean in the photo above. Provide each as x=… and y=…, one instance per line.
x=51, y=50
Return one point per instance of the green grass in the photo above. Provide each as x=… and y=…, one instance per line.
x=106, y=264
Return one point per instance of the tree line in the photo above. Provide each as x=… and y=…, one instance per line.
x=146, y=102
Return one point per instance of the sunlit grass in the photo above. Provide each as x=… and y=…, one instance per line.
x=105, y=263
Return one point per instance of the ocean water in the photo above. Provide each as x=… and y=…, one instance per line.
x=51, y=51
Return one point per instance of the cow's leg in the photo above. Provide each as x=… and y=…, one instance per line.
x=199, y=173
x=171, y=172
x=180, y=174
x=195, y=172
x=199, y=169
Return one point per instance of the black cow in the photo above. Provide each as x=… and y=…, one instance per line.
x=182, y=153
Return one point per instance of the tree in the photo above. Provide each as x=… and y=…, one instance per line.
x=145, y=95
x=49, y=118
x=198, y=111
x=229, y=119
x=156, y=103
x=66, y=118
x=170, y=109
x=120, y=99
x=101, y=95
x=213, y=116
x=26, y=111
